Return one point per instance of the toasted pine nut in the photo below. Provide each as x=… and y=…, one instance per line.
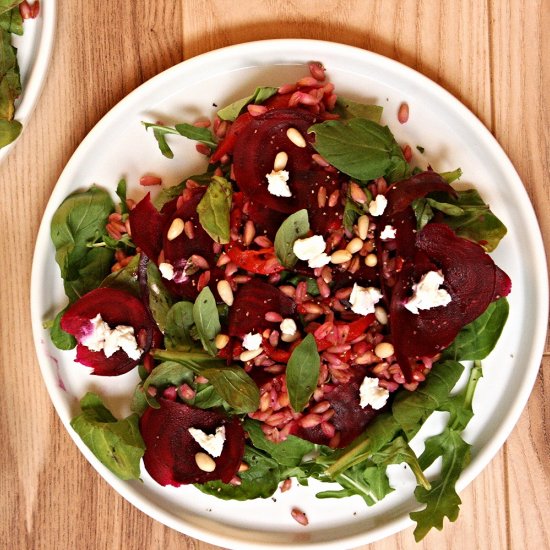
x=221, y=341
x=225, y=292
x=243, y=467
x=290, y=337
x=340, y=257
x=371, y=260
x=363, y=226
x=294, y=135
x=204, y=462
x=381, y=315
x=280, y=161
x=384, y=350
x=176, y=229
x=355, y=245
x=248, y=355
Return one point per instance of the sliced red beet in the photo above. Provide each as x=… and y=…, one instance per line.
x=226, y=146
x=147, y=224
x=349, y=419
x=252, y=302
x=116, y=308
x=170, y=449
x=257, y=146
x=471, y=278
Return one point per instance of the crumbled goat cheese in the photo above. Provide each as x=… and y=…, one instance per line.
x=388, y=233
x=288, y=326
x=211, y=443
x=252, y=341
x=427, y=294
x=277, y=183
x=311, y=249
x=166, y=270
x=364, y=299
x=378, y=205
x=103, y=338
x=370, y=393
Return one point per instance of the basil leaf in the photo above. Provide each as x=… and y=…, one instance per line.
x=235, y=387
x=477, y=339
x=347, y=109
x=207, y=320
x=116, y=443
x=259, y=481
x=302, y=373
x=477, y=223
x=77, y=222
x=233, y=110
x=214, y=209
x=360, y=148
x=179, y=320
x=296, y=226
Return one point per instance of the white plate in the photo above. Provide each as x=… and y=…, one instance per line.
x=34, y=49
x=452, y=136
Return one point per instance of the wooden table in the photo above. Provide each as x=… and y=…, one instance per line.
x=493, y=55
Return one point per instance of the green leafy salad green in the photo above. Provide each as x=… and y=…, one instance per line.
x=277, y=308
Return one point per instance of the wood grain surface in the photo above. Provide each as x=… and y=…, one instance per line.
x=492, y=55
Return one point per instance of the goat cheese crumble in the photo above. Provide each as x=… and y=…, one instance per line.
x=378, y=205
x=363, y=299
x=109, y=341
x=312, y=250
x=252, y=341
x=211, y=443
x=277, y=183
x=166, y=270
x=288, y=326
x=388, y=233
x=370, y=393
x=427, y=293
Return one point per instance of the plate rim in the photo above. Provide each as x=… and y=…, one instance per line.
x=497, y=439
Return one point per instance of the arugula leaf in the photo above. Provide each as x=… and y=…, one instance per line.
x=177, y=331
x=259, y=481
x=125, y=279
x=121, y=190
x=202, y=135
x=424, y=210
x=207, y=320
x=302, y=373
x=451, y=176
x=477, y=339
x=352, y=211
x=360, y=148
x=116, y=443
x=214, y=208
x=160, y=300
x=296, y=226
x=289, y=452
x=233, y=110
x=206, y=397
x=347, y=109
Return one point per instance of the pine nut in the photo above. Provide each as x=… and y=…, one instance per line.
x=371, y=260
x=290, y=337
x=221, y=341
x=205, y=462
x=340, y=257
x=384, y=350
x=248, y=355
x=175, y=230
x=249, y=232
x=357, y=194
x=243, y=467
x=381, y=315
x=294, y=135
x=225, y=292
x=363, y=226
x=280, y=161
x=355, y=245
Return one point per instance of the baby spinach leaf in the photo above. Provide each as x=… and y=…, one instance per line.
x=289, y=452
x=347, y=109
x=477, y=339
x=179, y=320
x=296, y=226
x=116, y=443
x=60, y=338
x=166, y=374
x=302, y=373
x=206, y=397
x=125, y=279
x=441, y=499
x=214, y=208
x=233, y=110
x=477, y=223
x=360, y=148
x=259, y=481
x=207, y=320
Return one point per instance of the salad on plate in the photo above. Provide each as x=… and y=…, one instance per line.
x=295, y=312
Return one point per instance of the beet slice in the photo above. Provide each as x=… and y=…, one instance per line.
x=471, y=278
x=349, y=419
x=116, y=308
x=252, y=302
x=147, y=225
x=170, y=449
x=256, y=147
